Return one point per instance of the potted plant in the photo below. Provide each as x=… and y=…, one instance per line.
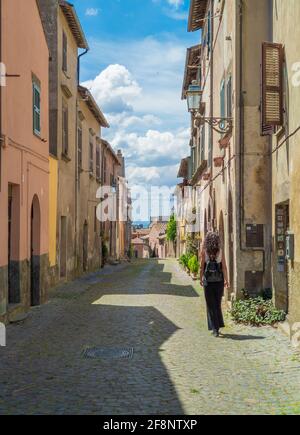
x=194, y=267
x=185, y=261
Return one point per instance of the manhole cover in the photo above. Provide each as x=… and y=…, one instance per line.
x=108, y=353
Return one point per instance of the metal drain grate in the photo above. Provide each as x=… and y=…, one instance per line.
x=108, y=353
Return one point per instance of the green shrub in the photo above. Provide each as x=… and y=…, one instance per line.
x=256, y=312
x=104, y=251
x=172, y=229
x=193, y=264
x=191, y=246
x=184, y=260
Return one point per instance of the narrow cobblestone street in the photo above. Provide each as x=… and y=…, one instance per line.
x=177, y=366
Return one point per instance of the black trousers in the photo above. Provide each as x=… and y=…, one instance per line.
x=214, y=293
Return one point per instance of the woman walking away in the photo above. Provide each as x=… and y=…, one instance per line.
x=214, y=277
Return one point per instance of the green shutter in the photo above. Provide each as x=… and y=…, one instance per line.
x=36, y=109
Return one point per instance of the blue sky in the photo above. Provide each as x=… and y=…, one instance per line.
x=135, y=70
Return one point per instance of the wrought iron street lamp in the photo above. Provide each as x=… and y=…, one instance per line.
x=194, y=96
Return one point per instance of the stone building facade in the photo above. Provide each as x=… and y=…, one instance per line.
x=75, y=149
x=230, y=170
x=24, y=162
x=284, y=53
x=247, y=178
x=89, y=147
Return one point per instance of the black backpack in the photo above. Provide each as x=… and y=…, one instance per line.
x=213, y=270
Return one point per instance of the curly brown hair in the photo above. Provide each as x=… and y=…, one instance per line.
x=212, y=243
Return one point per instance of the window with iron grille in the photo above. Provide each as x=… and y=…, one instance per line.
x=98, y=174
x=65, y=128
x=36, y=108
x=65, y=53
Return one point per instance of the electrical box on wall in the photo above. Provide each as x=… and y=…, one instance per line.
x=254, y=236
x=290, y=246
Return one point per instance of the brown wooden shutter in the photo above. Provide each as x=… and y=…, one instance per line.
x=65, y=53
x=272, y=86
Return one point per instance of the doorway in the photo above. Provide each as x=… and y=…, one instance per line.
x=282, y=226
x=35, y=266
x=63, y=247
x=230, y=243
x=85, y=246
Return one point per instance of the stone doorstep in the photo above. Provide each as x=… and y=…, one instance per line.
x=17, y=313
x=285, y=328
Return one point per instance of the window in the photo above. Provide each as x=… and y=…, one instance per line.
x=104, y=170
x=209, y=33
x=79, y=148
x=203, y=144
x=98, y=163
x=222, y=100
x=95, y=219
x=271, y=87
x=91, y=155
x=65, y=129
x=229, y=97
x=65, y=53
x=36, y=108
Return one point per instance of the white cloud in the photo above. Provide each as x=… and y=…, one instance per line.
x=114, y=89
x=153, y=176
x=127, y=121
x=176, y=15
x=176, y=3
x=154, y=148
x=141, y=98
x=92, y=12
x=157, y=65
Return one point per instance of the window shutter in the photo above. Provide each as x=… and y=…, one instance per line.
x=272, y=87
x=65, y=52
x=65, y=131
x=79, y=149
x=98, y=163
x=91, y=157
x=36, y=109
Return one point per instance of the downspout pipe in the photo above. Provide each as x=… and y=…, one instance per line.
x=78, y=64
x=241, y=128
x=1, y=97
x=76, y=154
x=212, y=37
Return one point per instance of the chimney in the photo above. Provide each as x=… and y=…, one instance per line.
x=122, y=163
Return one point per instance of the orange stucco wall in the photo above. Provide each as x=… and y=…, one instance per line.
x=24, y=156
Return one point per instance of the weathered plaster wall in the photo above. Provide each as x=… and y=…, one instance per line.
x=286, y=166
x=25, y=155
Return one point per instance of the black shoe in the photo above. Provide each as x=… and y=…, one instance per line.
x=216, y=333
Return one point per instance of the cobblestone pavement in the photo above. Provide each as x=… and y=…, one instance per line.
x=177, y=366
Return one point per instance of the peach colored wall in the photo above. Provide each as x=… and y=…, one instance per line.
x=25, y=156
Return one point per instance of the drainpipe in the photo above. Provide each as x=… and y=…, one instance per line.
x=78, y=64
x=241, y=128
x=212, y=27
x=76, y=155
x=0, y=97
